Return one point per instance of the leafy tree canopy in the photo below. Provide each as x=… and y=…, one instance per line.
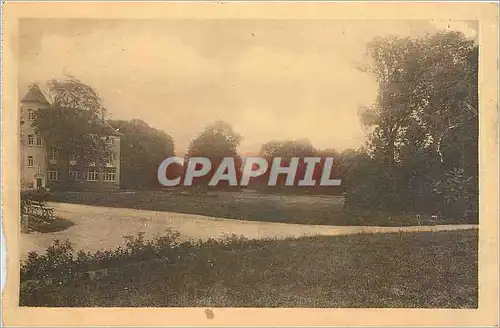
x=287, y=149
x=143, y=148
x=218, y=140
x=423, y=125
x=74, y=121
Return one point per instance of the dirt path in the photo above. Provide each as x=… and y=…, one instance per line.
x=98, y=228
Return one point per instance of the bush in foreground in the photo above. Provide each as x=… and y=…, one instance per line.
x=59, y=263
x=433, y=270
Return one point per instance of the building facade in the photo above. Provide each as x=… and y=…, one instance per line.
x=42, y=165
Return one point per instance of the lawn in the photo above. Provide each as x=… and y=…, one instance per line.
x=299, y=209
x=409, y=270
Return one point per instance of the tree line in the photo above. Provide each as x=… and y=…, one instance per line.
x=421, y=152
x=218, y=141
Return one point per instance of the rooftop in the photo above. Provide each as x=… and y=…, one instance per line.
x=34, y=95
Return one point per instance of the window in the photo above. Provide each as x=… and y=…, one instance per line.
x=31, y=161
x=72, y=159
x=74, y=174
x=109, y=175
x=30, y=139
x=53, y=153
x=111, y=158
x=38, y=140
x=110, y=140
x=92, y=175
x=31, y=114
x=53, y=174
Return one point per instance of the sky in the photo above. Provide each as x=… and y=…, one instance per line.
x=270, y=79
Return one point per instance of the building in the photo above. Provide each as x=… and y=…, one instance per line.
x=42, y=166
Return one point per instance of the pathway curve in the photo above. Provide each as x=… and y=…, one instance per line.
x=98, y=227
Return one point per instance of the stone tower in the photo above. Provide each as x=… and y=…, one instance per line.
x=33, y=148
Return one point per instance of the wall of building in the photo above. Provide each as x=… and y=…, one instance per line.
x=65, y=182
x=116, y=147
x=38, y=152
x=31, y=175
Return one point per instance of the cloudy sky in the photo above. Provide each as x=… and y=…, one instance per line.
x=270, y=79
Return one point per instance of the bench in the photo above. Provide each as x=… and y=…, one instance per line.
x=36, y=210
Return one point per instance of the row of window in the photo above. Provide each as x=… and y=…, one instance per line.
x=92, y=174
x=31, y=161
x=31, y=117
x=31, y=140
x=53, y=153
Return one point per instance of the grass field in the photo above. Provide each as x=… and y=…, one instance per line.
x=300, y=209
x=410, y=270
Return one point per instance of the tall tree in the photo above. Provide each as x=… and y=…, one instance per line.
x=216, y=142
x=74, y=123
x=143, y=148
x=285, y=150
x=424, y=121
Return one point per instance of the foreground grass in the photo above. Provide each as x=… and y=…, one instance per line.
x=303, y=209
x=430, y=270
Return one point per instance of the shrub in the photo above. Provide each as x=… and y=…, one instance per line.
x=60, y=263
x=40, y=195
x=57, y=224
x=56, y=263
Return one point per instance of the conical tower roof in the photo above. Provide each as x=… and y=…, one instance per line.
x=34, y=95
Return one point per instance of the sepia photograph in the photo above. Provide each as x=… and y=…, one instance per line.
x=298, y=163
